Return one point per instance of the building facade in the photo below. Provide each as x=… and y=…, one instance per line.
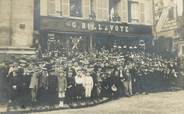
x=167, y=13
x=89, y=20
x=166, y=18
x=94, y=23
x=16, y=23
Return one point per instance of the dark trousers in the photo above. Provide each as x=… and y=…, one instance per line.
x=13, y=93
x=79, y=91
x=141, y=84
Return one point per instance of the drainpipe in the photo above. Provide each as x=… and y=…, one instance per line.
x=10, y=22
x=154, y=24
x=183, y=8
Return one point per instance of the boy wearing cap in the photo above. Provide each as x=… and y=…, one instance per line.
x=62, y=86
x=88, y=84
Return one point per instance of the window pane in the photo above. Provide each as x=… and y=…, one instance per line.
x=75, y=8
x=133, y=9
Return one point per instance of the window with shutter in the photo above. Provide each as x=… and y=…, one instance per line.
x=86, y=8
x=51, y=7
x=142, y=12
x=58, y=7
x=102, y=10
x=123, y=10
x=105, y=10
x=148, y=12
x=92, y=10
x=97, y=9
x=65, y=7
x=134, y=11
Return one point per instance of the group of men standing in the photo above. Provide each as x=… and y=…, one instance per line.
x=88, y=76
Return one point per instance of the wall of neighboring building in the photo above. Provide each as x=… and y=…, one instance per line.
x=148, y=12
x=5, y=22
x=180, y=48
x=22, y=22
x=16, y=23
x=166, y=18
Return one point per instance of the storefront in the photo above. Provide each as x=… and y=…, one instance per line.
x=86, y=35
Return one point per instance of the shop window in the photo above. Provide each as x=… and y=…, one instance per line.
x=113, y=10
x=133, y=11
x=76, y=8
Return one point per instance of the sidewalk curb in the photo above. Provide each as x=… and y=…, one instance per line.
x=59, y=108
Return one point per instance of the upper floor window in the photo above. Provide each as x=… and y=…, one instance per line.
x=171, y=14
x=51, y=7
x=92, y=15
x=76, y=8
x=113, y=10
x=133, y=11
x=54, y=7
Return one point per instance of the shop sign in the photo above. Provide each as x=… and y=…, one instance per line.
x=76, y=25
x=97, y=26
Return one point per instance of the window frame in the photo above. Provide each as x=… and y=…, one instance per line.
x=80, y=15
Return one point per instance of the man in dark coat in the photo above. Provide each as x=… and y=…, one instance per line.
x=13, y=80
x=127, y=82
x=115, y=83
x=62, y=86
x=141, y=81
x=70, y=74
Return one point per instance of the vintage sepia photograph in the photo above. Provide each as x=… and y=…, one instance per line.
x=91, y=57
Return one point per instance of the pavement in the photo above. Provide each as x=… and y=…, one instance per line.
x=3, y=108
x=39, y=107
x=153, y=103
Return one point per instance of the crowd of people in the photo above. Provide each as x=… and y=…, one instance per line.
x=84, y=76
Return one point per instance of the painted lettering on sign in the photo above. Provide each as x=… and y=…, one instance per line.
x=92, y=26
x=74, y=24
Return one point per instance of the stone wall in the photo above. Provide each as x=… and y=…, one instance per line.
x=22, y=23
x=16, y=23
x=4, y=22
